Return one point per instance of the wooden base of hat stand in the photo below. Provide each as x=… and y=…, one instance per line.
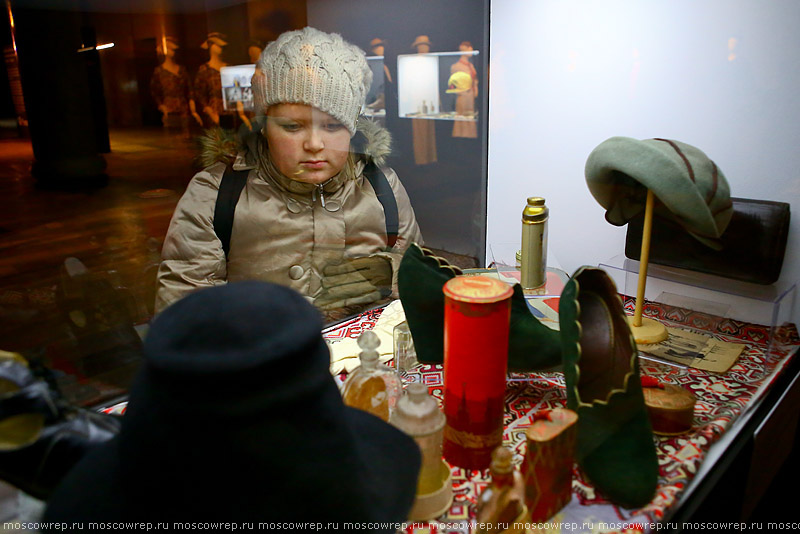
x=646, y=331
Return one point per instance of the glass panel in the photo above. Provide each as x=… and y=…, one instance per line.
x=109, y=108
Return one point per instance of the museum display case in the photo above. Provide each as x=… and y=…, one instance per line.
x=465, y=116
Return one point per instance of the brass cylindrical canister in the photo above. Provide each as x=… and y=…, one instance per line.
x=533, y=268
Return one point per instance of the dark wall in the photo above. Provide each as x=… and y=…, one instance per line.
x=128, y=66
x=446, y=22
x=6, y=103
x=449, y=196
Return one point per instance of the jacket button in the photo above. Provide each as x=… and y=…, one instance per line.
x=296, y=272
x=332, y=205
x=293, y=205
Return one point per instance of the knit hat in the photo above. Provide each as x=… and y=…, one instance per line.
x=316, y=68
x=234, y=416
x=686, y=182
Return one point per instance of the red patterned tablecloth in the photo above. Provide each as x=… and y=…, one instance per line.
x=721, y=399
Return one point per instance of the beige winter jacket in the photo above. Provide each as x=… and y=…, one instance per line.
x=282, y=233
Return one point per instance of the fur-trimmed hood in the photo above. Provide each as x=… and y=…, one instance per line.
x=372, y=142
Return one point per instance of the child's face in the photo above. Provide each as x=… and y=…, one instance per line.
x=306, y=144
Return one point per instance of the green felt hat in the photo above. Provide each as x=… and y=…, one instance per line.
x=690, y=187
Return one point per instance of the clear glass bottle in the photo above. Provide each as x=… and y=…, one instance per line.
x=372, y=387
x=419, y=416
x=502, y=502
x=405, y=356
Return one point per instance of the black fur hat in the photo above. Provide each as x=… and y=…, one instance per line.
x=234, y=416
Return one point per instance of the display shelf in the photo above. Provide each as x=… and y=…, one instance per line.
x=768, y=305
x=422, y=87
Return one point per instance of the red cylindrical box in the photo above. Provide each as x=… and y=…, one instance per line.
x=476, y=319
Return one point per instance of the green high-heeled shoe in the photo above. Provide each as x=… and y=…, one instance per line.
x=420, y=278
x=615, y=446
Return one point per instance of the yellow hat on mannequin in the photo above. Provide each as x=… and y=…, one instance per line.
x=459, y=82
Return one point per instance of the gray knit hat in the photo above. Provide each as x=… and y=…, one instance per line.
x=686, y=182
x=316, y=68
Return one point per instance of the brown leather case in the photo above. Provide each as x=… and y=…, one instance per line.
x=753, y=245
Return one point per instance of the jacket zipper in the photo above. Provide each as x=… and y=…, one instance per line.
x=321, y=195
x=321, y=190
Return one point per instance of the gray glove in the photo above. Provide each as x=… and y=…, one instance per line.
x=357, y=281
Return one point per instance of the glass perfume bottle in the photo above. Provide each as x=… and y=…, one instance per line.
x=372, y=387
x=419, y=416
x=405, y=356
x=502, y=503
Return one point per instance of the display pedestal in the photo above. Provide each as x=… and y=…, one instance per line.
x=770, y=305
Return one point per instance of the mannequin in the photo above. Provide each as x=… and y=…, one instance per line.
x=172, y=91
x=376, y=100
x=208, y=84
x=422, y=44
x=423, y=130
x=254, y=48
x=465, y=102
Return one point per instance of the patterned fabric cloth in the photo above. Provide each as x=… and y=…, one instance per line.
x=721, y=399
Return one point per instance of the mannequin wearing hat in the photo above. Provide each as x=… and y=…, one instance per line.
x=378, y=47
x=171, y=89
x=308, y=216
x=421, y=44
x=254, y=48
x=376, y=99
x=208, y=84
x=465, y=99
x=423, y=130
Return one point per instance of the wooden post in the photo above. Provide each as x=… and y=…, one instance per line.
x=646, y=331
x=644, y=257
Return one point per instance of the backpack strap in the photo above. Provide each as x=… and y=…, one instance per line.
x=383, y=190
x=230, y=187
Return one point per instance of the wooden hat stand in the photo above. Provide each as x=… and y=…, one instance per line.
x=646, y=331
